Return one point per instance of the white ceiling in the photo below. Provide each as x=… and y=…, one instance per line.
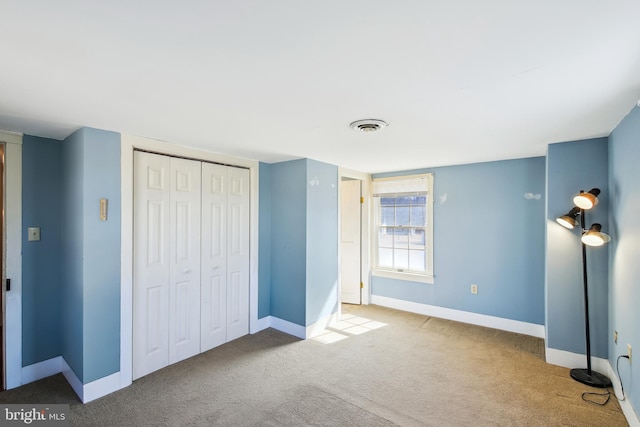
x=458, y=81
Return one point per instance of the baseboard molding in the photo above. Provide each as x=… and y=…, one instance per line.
x=86, y=392
x=288, y=327
x=571, y=360
x=302, y=332
x=509, y=325
x=101, y=387
x=321, y=325
x=94, y=389
x=260, y=325
x=41, y=370
x=73, y=380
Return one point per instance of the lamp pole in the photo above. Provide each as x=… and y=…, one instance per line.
x=586, y=294
x=587, y=376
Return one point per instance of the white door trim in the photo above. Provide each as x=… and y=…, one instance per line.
x=13, y=241
x=128, y=144
x=366, y=214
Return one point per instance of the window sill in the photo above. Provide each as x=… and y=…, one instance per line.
x=411, y=277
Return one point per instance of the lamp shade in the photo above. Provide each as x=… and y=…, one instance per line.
x=594, y=236
x=569, y=220
x=587, y=200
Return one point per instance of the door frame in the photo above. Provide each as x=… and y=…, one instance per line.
x=365, y=212
x=128, y=144
x=12, y=302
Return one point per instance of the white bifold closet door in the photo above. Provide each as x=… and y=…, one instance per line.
x=225, y=254
x=191, y=258
x=166, y=294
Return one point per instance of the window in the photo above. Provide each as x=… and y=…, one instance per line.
x=404, y=227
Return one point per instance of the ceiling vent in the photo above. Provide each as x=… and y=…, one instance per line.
x=368, y=125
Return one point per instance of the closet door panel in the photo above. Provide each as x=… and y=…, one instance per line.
x=151, y=263
x=184, y=252
x=238, y=254
x=214, y=255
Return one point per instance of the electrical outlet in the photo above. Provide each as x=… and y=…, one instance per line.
x=33, y=234
x=629, y=352
x=615, y=337
x=474, y=289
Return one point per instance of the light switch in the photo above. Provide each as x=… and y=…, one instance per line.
x=103, y=209
x=34, y=234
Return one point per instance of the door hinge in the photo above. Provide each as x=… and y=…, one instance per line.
x=361, y=285
x=361, y=199
x=8, y=284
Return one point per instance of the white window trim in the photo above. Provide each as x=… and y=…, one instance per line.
x=412, y=276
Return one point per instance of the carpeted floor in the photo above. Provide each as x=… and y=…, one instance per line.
x=378, y=367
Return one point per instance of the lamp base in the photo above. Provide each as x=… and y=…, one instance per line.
x=596, y=379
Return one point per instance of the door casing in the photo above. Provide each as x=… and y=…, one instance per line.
x=12, y=241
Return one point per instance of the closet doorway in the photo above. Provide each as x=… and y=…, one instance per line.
x=191, y=258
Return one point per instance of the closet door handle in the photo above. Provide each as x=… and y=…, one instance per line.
x=187, y=271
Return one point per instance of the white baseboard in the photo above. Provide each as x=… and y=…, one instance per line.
x=509, y=325
x=321, y=325
x=86, y=392
x=73, y=379
x=41, y=370
x=571, y=360
x=260, y=325
x=101, y=387
x=302, y=332
x=288, y=327
x=94, y=389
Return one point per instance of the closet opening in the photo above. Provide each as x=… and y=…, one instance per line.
x=191, y=258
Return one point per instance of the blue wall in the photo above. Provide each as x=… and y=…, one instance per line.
x=322, y=241
x=571, y=167
x=72, y=254
x=485, y=232
x=42, y=275
x=91, y=254
x=624, y=287
x=288, y=240
x=298, y=240
x=101, y=254
x=264, y=241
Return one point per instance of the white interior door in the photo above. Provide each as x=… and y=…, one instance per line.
x=184, y=252
x=214, y=256
x=350, y=241
x=238, y=253
x=151, y=272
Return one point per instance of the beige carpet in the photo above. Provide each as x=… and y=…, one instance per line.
x=379, y=367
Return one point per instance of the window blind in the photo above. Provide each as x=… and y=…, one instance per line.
x=400, y=185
